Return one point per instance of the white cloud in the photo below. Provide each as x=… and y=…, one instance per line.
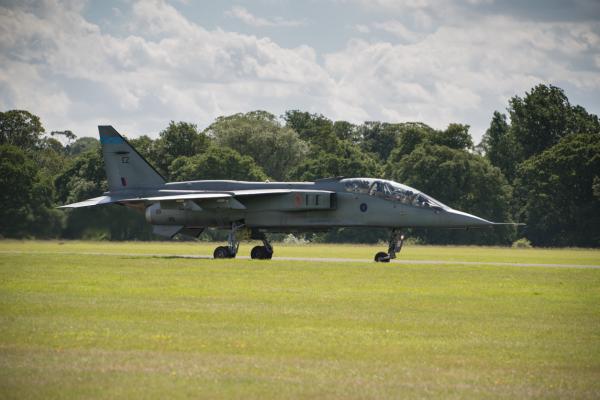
x=453, y=73
x=21, y=79
x=156, y=17
x=398, y=4
x=75, y=74
x=248, y=18
x=362, y=28
x=180, y=71
x=399, y=30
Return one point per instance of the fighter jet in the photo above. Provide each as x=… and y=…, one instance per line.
x=250, y=210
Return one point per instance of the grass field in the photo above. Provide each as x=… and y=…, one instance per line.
x=107, y=320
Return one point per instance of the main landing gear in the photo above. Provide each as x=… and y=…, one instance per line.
x=264, y=252
x=395, y=245
x=229, y=251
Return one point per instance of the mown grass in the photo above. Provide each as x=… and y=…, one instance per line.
x=107, y=326
x=410, y=252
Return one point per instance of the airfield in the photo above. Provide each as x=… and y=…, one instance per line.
x=162, y=320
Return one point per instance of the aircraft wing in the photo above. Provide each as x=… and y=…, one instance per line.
x=243, y=192
x=203, y=195
x=96, y=201
x=175, y=195
x=259, y=192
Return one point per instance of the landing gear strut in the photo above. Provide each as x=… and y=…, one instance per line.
x=264, y=252
x=395, y=245
x=229, y=251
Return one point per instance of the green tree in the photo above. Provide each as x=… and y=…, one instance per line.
x=20, y=128
x=17, y=177
x=25, y=197
x=83, y=178
x=69, y=135
x=315, y=129
x=596, y=187
x=82, y=145
x=258, y=134
x=463, y=181
x=178, y=139
x=349, y=161
x=50, y=156
x=309, y=126
x=344, y=130
x=335, y=148
x=45, y=220
x=217, y=163
x=555, y=193
x=456, y=136
x=379, y=138
x=411, y=135
x=544, y=116
x=499, y=146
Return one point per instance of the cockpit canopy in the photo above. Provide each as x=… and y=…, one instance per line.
x=391, y=190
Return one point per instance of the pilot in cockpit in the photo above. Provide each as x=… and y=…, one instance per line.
x=375, y=188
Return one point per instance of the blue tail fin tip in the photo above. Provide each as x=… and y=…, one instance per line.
x=109, y=135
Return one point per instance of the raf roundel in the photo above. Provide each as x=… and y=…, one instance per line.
x=363, y=207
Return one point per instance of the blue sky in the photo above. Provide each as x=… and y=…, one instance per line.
x=139, y=64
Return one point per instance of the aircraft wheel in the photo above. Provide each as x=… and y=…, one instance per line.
x=260, y=253
x=382, y=257
x=222, y=252
x=268, y=254
x=256, y=252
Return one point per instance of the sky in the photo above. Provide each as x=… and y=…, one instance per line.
x=139, y=64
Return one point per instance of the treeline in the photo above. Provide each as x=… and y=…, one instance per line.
x=538, y=164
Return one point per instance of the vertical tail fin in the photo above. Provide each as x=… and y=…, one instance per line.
x=125, y=167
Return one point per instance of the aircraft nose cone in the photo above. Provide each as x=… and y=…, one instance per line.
x=459, y=218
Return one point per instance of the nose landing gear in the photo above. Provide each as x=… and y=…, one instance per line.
x=394, y=247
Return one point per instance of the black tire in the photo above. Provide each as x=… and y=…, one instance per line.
x=382, y=257
x=256, y=253
x=260, y=253
x=222, y=252
x=268, y=254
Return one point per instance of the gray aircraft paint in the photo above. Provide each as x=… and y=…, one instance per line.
x=189, y=207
